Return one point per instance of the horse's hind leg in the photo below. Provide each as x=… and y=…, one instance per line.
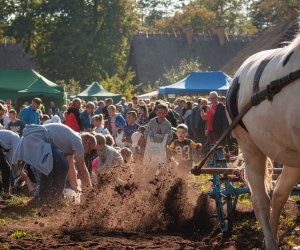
x=282, y=190
x=255, y=166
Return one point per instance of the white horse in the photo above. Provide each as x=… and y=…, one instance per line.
x=273, y=130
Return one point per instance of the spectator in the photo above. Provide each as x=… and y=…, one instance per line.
x=120, y=110
x=171, y=116
x=159, y=126
x=8, y=104
x=15, y=124
x=31, y=114
x=99, y=108
x=143, y=115
x=215, y=115
x=222, y=99
x=182, y=148
x=124, y=104
x=97, y=121
x=115, y=120
x=45, y=118
x=178, y=107
x=4, y=119
x=72, y=116
x=130, y=127
x=86, y=116
x=108, y=102
x=62, y=113
x=109, y=140
x=108, y=156
x=135, y=102
x=188, y=110
x=130, y=107
x=53, y=109
x=197, y=123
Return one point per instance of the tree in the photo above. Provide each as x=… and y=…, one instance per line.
x=266, y=13
x=201, y=19
x=230, y=14
x=174, y=74
x=152, y=10
x=82, y=40
x=116, y=84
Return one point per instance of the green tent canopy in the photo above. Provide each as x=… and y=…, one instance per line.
x=40, y=87
x=22, y=85
x=96, y=90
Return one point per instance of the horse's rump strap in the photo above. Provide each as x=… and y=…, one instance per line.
x=274, y=87
x=231, y=100
x=268, y=93
x=260, y=70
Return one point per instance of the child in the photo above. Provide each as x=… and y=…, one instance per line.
x=97, y=121
x=159, y=126
x=108, y=157
x=15, y=124
x=115, y=120
x=182, y=148
x=130, y=127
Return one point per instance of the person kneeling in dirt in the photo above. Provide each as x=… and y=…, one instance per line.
x=44, y=148
x=182, y=148
x=108, y=157
x=8, y=144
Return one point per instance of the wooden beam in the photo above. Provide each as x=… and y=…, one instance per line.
x=276, y=171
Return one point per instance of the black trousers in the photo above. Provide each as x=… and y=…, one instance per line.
x=5, y=171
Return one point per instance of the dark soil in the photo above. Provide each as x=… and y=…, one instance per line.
x=164, y=213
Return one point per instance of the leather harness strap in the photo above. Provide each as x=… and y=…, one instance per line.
x=260, y=70
x=268, y=93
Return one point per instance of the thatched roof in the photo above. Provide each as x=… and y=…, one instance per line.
x=12, y=56
x=151, y=54
x=268, y=39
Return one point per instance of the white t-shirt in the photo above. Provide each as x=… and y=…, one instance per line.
x=65, y=139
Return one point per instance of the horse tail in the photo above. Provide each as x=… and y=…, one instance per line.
x=240, y=165
x=268, y=175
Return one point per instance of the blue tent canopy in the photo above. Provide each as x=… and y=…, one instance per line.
x=199, y=83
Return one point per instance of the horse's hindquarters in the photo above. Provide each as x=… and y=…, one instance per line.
x=274, y=126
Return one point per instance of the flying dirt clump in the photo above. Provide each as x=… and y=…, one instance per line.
x=142, y=203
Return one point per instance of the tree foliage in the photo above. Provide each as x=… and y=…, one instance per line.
x=174, y=74
x=266, y=13
x=116, y=84
x=236, y=16
x=84, y=40
x=201, y=19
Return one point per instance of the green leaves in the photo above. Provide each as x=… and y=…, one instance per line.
x=185, y=67
x=73, y=40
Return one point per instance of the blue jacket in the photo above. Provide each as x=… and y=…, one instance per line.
x=30, y=116
x=85, y=120
x=120, y=123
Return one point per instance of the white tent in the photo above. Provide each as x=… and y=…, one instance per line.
x=149, y=95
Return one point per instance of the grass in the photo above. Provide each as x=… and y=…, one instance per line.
x=20, y=234
x=203, y=182
x=4, y=221
x=289, y=222
x=245, y=199
x=5, y=246
x=18, y=200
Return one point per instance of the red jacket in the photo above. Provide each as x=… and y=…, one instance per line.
x=72, y=122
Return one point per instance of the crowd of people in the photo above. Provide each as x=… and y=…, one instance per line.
x=71, y=146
